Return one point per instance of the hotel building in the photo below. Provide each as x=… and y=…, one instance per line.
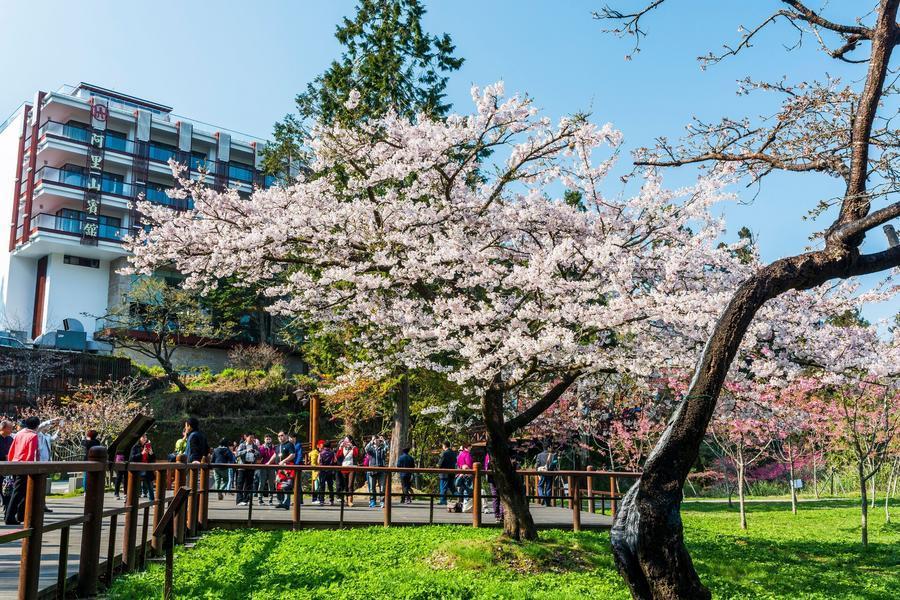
x=72, y=162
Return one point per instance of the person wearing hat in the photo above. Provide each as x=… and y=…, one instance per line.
x=24, y=448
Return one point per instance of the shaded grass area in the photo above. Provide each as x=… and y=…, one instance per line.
x=814, y=554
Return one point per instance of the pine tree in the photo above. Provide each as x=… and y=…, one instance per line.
x=388, y=59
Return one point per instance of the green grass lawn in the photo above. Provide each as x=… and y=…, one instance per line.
x=814, y=554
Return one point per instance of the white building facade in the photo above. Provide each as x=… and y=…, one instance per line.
x=72, y=163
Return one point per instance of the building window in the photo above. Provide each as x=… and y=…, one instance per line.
x=80, y=261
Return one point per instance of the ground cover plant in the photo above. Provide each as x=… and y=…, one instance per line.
x=813, y=554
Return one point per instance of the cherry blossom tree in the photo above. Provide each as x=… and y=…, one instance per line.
x=865, y=415
x=740, y=430
x=447, y=244
x=846, y=132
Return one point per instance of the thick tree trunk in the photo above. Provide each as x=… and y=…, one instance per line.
x=863, y=504
x=740, y=483
x=517, y=521
x=173, y=376
x=400, y=434
x=647, y=535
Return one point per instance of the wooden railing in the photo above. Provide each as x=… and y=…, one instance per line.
x=581, y=493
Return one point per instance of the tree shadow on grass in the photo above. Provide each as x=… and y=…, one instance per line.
x=740, y=566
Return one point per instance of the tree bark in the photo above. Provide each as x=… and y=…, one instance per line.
x=647, y=535
x=793, y=485
x=517, y=521
x=864, y=505
x=740, y=483
x=814, y=475
x=173, y=376
x=400, y=434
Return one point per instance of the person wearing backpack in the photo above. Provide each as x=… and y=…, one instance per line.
x=247, y=454
x=377, y=453
x=326, y=477
x=406, y=461
x=222, y=455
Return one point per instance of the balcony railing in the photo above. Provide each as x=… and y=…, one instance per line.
x=108, y=185
x=74, y=227
x=159, y=153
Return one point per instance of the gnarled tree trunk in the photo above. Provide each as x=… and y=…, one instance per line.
x=517, y=521
x=647, y=535
x=400, y=433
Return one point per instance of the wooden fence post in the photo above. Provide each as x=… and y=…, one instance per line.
x=387, y=497
x=298, y=495
x=179, y=483
x=592, y=507
x=129, y=535
x=476, y=496
x=30, y=569
x=612, y=496
x=193, y=484
x=204, y=494
x=94, y=488
x=575, y=502
x=162, y=480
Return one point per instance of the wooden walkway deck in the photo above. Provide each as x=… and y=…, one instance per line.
x=224, y=513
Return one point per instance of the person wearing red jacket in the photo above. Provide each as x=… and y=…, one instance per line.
x=24, y=448
x=347, y=456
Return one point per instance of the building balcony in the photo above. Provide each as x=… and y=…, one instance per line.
x=68, y=137
x=71, y=185
x=58, y=233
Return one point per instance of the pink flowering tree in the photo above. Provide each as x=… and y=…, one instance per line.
x=865, y=417
x=447, y=244
x=740, y=431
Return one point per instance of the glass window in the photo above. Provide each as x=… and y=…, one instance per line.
x=116, y=141
x=75, y=130
x=240, y=172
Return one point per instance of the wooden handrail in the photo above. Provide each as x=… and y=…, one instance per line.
x=194, y=478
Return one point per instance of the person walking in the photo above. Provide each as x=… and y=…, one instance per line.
x=464, y=480
x=222, y=455
x=24, y=448
x=546, y=462
x=406, y=461
x=347, y=456
x=6, y=440
x=247, y=454
x=265, y=478
x=326, y=476
x=446, y=481
x=377, y=452
x=142, y=452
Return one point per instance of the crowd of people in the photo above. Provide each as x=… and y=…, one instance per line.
x=272, y=486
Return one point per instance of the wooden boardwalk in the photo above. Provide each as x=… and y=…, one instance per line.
x=224, y=513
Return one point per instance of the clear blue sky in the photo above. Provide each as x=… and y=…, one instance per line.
x=240, y=64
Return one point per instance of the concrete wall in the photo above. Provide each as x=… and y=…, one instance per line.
x=75, y=292
x=12, y=316
x=188, y=358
